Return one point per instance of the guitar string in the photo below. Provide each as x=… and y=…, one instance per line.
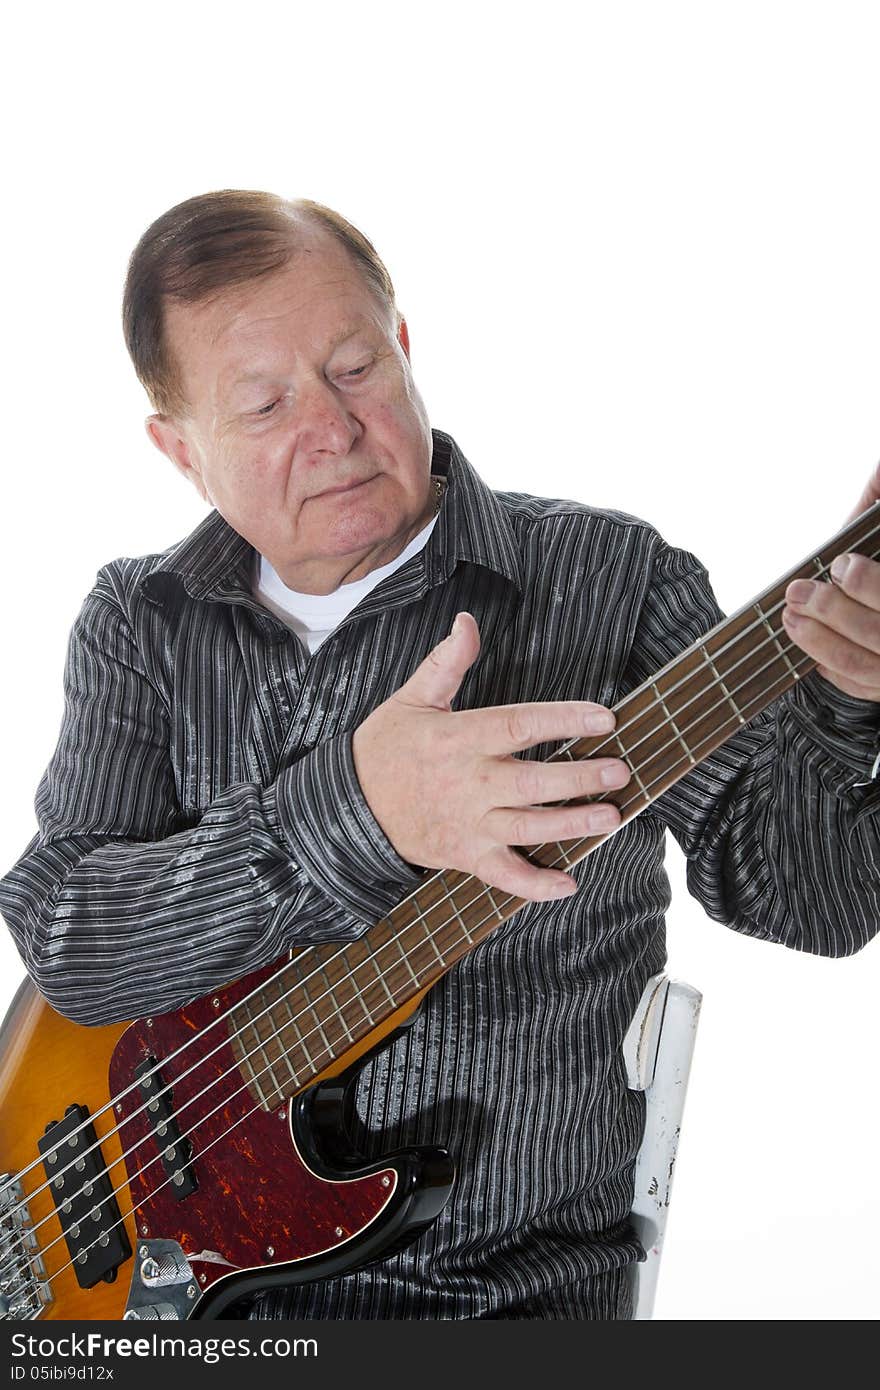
x=261, y=1043
x=424, y=882
x=649, y=709
x=224, y=1134
x=565, y=859
x=150, y=1137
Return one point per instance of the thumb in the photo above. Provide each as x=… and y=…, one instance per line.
x=870, y=495
x=434, y=683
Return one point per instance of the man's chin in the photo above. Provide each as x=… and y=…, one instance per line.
x=348, y=553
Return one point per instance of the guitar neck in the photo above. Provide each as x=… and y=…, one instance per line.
x=664, y=728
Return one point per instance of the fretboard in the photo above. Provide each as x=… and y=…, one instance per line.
x=332, y=996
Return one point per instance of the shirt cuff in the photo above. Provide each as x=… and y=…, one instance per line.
x=323, y=816
x=845, y=728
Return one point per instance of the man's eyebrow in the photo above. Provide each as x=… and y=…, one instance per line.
x=257, y=375
x=264, y=374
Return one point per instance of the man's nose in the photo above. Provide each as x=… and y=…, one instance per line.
x=325, y=423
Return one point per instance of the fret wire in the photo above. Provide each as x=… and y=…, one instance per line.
x=358, y=994
x=310, y=1008
x=427, y=935
x=293, y=1076
x=284, y=1050
x=420, y=921
x=261, y=1048
x=491, y=898
x=369, y=1016
x=405, y=959
x=268, y=1067
x=672, y=721
x=775, y=638
x=567, y=753
x=250, y=1066
x=322, y=970
x=455, y=912
x=734, y=706
x=301, y=1039
x=371, y=958
x=460, y=920
x=282, y=1047
x=633, y=770
x=341, y=1005
x=485, y=893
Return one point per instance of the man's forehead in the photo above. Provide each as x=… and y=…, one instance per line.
x=239, y=365
x=282, y=299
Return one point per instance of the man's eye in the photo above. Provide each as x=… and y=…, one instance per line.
x=267, y=409
x=356, y=371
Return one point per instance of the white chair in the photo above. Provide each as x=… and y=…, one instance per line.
x=657, y=1050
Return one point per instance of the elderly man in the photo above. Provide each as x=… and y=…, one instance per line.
x=260, y=750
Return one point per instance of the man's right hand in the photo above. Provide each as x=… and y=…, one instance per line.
x=448, y=792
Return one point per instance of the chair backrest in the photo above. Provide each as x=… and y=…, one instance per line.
x=657, y=1050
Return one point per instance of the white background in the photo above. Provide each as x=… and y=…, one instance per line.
x=637, y=246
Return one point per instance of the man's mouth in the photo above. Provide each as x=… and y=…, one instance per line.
x=349, y=486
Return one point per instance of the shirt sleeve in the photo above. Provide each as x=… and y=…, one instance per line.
x=121, y=907
x=781, y=825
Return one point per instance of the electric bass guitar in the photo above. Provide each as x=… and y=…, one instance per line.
x=171, y=1167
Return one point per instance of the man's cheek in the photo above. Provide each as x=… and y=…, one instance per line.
x=393, y=417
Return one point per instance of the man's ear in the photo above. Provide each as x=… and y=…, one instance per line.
x=403, y=337
x=169, y=441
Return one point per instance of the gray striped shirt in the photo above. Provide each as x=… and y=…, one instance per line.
x=201, y=814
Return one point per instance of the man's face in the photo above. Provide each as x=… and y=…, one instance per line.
x=306, y=432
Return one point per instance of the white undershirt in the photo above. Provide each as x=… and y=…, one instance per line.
x=314, y=616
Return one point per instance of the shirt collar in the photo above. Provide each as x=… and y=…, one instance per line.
x=472, y=526
x=214, y=562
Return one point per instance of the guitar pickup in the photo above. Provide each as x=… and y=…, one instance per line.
x=176, y=1152
x=83, y=1196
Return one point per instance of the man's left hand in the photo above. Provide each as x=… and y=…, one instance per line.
x=838, y=624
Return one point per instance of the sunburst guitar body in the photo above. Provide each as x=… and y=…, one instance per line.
x=172, y=1167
